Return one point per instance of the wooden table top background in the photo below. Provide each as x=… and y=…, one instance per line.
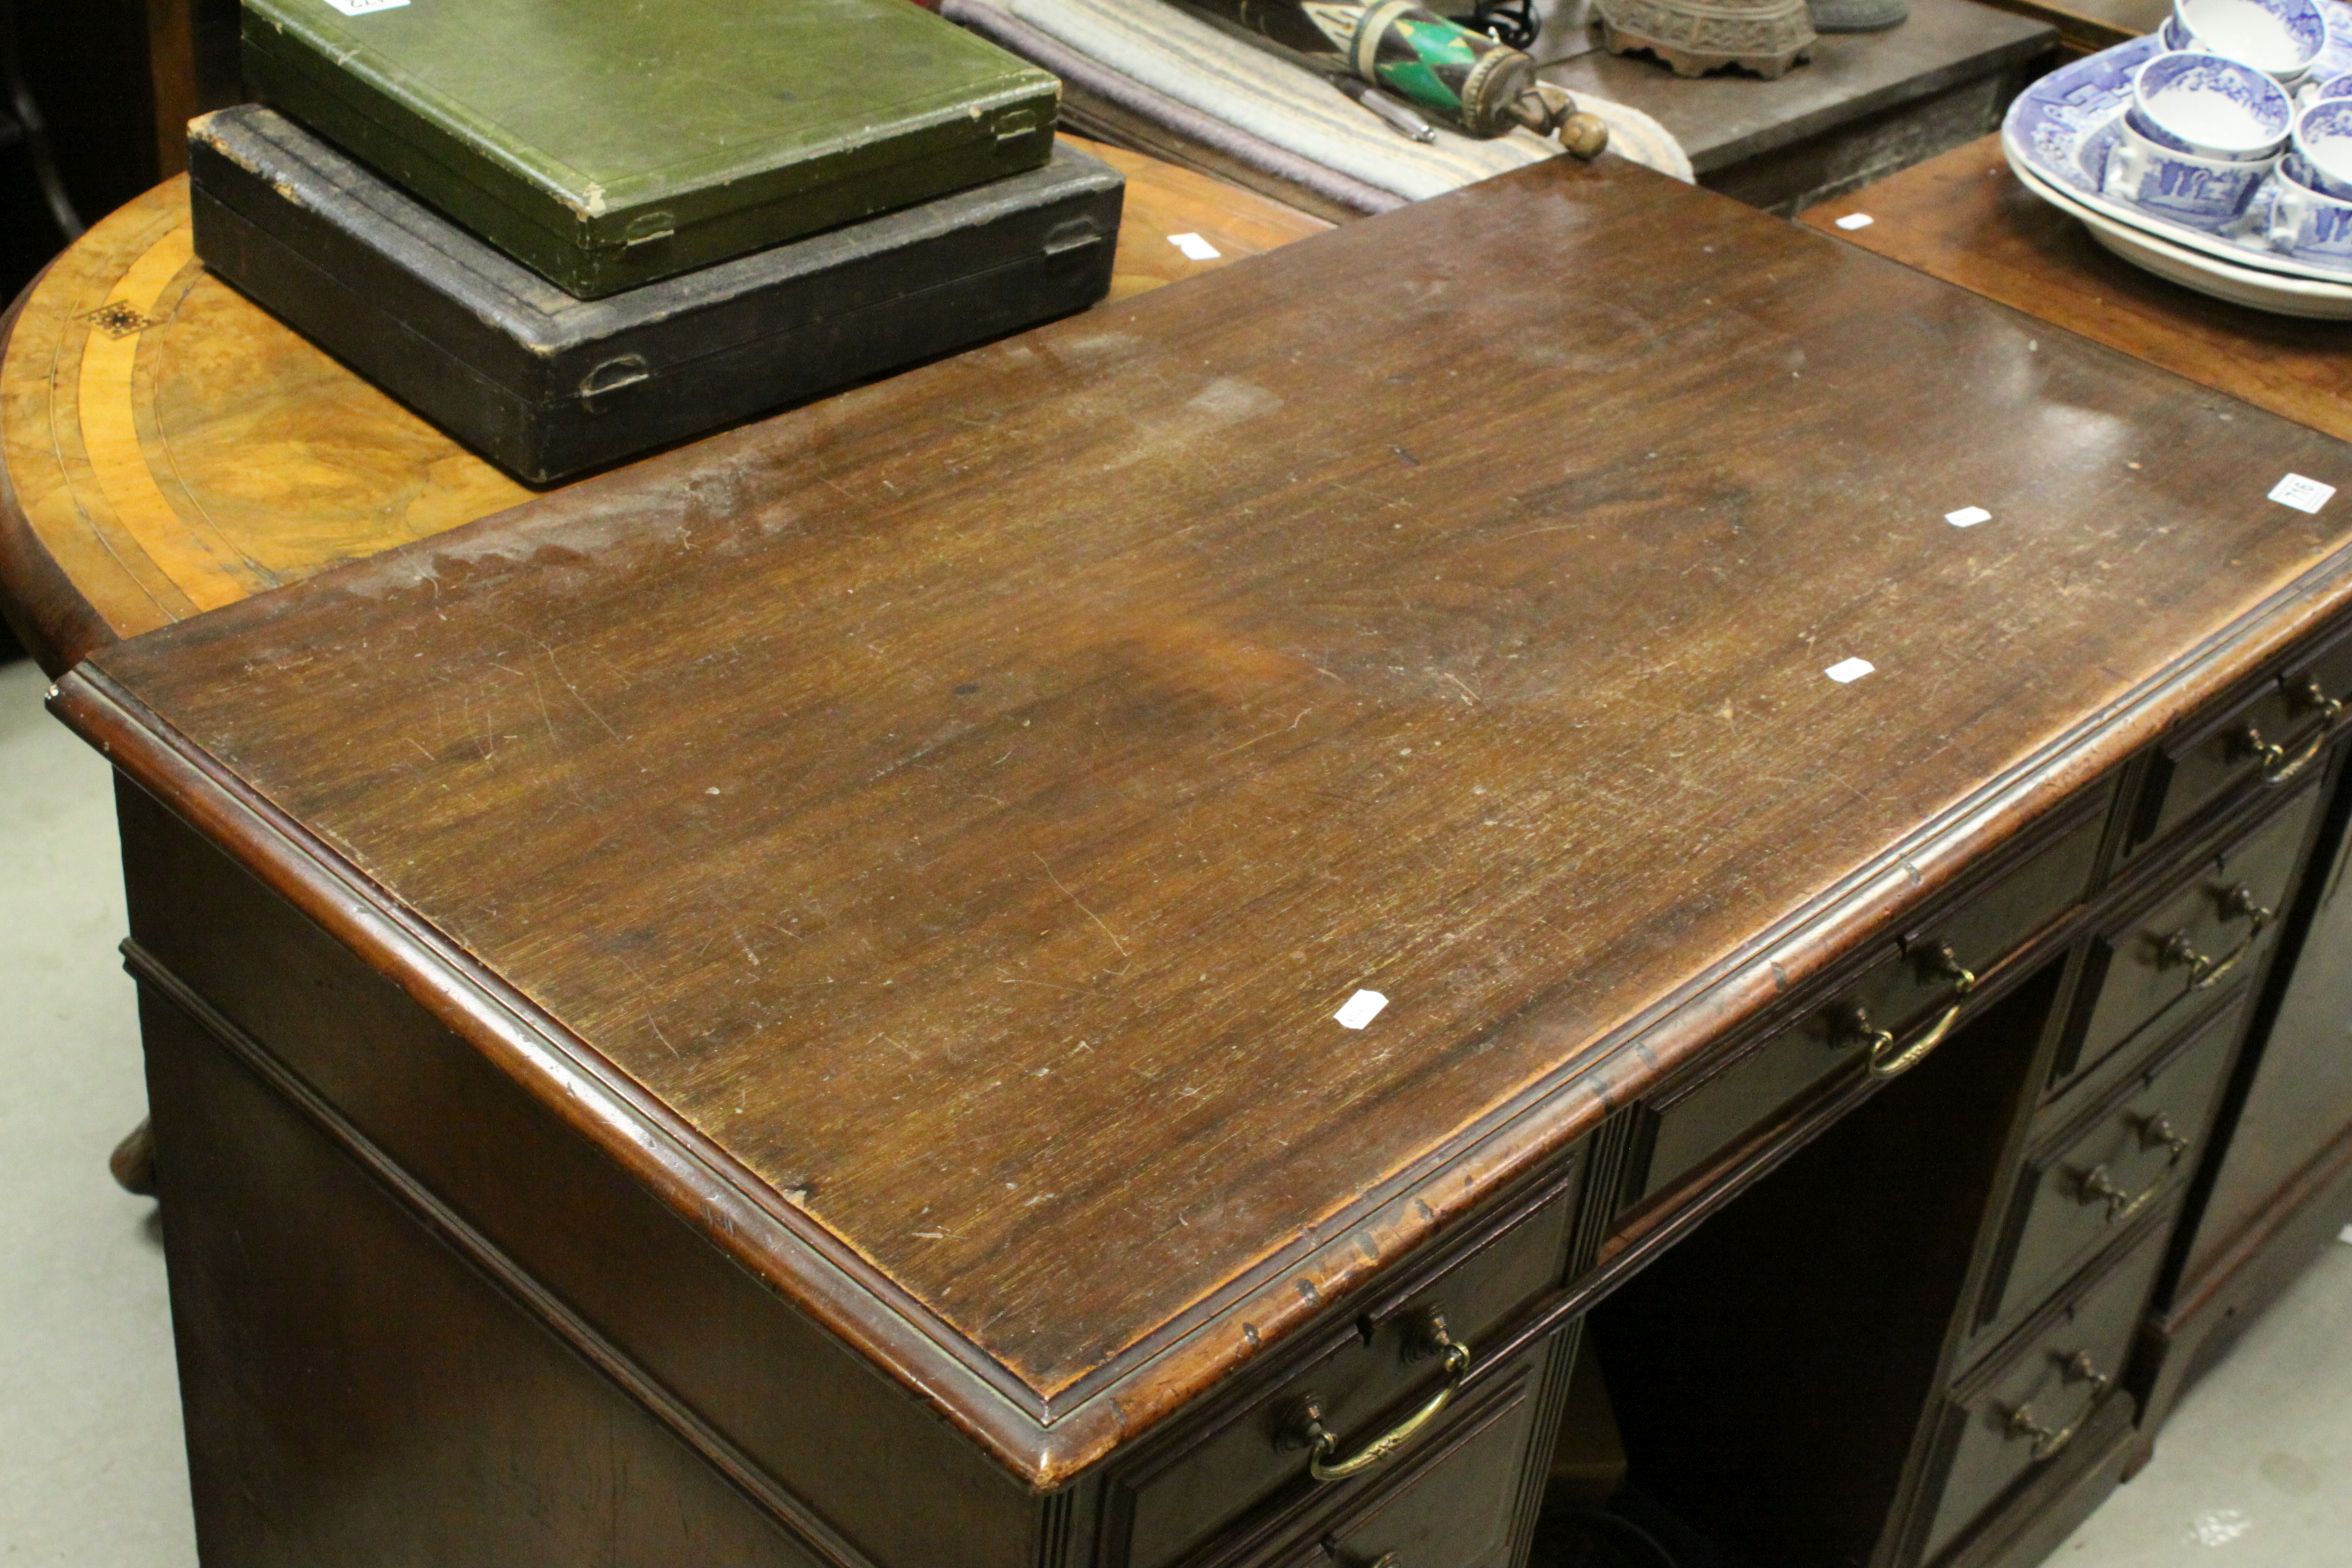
x=167, y=447
x=1964, y=218
x=987, y=785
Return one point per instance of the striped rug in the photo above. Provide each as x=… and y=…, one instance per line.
x=1263, y=106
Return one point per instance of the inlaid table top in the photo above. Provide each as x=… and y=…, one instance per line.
x=1964, y=218
x=167, y=447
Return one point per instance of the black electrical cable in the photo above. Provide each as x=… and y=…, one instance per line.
x=1509, y=22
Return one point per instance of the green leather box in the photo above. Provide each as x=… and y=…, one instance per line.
x=610, y=143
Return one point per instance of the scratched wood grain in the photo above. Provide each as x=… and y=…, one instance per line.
x=963, y=804
x=167, y=447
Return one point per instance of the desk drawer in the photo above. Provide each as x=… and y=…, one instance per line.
x=1382, y=1370
x=2271, y=739
x=2320, y=683
x=1706, y=1116
x=1893, y=1010
x=2130, y=1151
x=2020, y=1412
x=2193, y=938
x=1456, y=1506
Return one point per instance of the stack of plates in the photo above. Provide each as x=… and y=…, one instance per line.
x=2057, y=135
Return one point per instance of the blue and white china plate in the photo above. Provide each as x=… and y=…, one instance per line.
x=2252, y=287
x=2060, y=129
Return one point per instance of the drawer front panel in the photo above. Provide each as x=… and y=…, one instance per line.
x=2300, y=1100
x=1898, y=1004
x=2196, y=939
x=1719, y=1111
x=2130, y=1154
x=2021, y=1414
x=1981, y=931
x=2270, y=741
x=2321, y=683
x=1456, y=1507
x=1362, y=1388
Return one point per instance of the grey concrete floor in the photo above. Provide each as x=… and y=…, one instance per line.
x=2255, y=1470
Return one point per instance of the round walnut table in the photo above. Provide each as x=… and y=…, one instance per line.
x=167, y=447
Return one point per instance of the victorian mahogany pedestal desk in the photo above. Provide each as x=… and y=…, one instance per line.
x=1122, y=950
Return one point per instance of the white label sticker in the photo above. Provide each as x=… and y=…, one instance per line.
x=1968, y=517
x=1847, y=671
x=2219, y=1526
x=2304, y=495
x=363, y=7
x=2346, y=1236
x=1361, y=1009
x=1855, y=220
x=1194, y=247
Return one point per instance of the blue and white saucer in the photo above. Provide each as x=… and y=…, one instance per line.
x=2253, y=287
x=2061, y=127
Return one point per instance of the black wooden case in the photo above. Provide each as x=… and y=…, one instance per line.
x=546, y=385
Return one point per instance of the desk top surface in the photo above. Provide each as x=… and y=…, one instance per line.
x=928, y=835
x=1964, y=218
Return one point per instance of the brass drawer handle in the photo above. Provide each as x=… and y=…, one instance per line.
x=2240, y=903
x=2080, y=1368
x=1942, y=961
x=2205, y=972
x=1323, y=1444
x=2276, y=767
x=1889, y=1060
x=2287, y=773
x=2099, y=1187
x=2315, y=697
x=2157, y=1132
x=2048, y=1444
x=2269, y=753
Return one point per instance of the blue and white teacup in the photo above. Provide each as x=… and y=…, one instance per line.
x=2282, y=37
x=2322, y=89
x=2211, y=106
x=2204, y=193
x=2293, y=218
x=2323, y=147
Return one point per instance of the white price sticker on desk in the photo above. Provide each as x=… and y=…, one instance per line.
x=363, y=7
x=2304, y=495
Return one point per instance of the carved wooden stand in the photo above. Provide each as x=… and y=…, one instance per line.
x=1694, y=37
